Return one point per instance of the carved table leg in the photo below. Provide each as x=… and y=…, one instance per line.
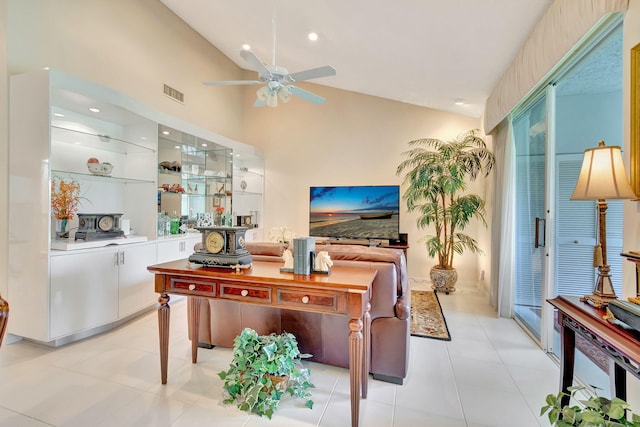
x=366, y=354
x=355, y=367
x=617, y=375
x=194, y=325
x=567, y=358
x=163, y=328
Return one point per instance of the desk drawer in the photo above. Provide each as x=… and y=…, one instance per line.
x=242, y=292
x=192, y=287
x=327, y=302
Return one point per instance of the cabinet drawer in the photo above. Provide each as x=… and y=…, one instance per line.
x=245, y=293
x=325, y=302
x=193, y=287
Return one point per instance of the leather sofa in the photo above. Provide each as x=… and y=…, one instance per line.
x=322, y=335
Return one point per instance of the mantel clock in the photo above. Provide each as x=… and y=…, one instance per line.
x=99, y=226
x=222, y=247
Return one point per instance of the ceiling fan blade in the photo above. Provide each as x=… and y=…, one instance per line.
x=313, y=73
x=232, y=82
x=306, y=95
x=255, y=62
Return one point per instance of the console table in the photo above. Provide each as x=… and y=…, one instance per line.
x=620, y=344
x=345, y=291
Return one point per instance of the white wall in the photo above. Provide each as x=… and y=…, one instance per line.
x=4, y=144
x=136, y=46
x=351, y=139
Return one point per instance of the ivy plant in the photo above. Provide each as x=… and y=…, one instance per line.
x=595, y=412
x=264, y=368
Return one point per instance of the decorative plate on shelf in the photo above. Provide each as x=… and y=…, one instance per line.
x=101, y=169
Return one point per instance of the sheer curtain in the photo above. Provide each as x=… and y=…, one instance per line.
x=503, y=220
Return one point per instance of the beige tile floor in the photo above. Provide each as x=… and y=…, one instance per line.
x=490, y=375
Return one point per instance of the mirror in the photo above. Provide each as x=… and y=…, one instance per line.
x=634, y=162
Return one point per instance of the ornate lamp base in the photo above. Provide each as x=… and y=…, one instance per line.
x=603, y=292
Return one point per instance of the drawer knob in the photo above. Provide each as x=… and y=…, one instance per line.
x=305, y=299
x=192, y=287
x=244, y=292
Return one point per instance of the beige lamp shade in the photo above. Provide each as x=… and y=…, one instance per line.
x=602, y=175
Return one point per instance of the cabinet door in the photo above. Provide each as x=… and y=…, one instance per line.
x=174, y=249
x=136, y=291
x=84, y=292
x=169, y=250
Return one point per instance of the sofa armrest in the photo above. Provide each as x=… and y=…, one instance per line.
x=403, y=308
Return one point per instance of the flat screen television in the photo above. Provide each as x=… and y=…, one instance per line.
x=355, y=212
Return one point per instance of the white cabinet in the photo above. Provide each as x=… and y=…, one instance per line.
x=84, y=292
x=178, y=247
x=135, y=282
x=97, y=287
x=60, y=290
x=58, y=122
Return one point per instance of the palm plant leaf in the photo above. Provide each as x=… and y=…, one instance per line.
x=436, y=176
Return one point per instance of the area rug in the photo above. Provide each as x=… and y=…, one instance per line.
x=427, y=319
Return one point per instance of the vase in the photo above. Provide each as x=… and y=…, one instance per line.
x=443, y=280
x=61, y=228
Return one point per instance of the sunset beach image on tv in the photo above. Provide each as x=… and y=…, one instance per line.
x=355, y=212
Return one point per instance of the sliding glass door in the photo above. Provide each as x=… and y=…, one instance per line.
x=555, y=236
x=530, y=130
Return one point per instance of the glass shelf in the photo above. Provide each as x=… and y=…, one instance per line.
x=92, y=177
x=98, y=142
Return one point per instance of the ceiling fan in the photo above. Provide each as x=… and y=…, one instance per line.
x=277, y=80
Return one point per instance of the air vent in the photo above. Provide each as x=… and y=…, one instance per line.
x=174, y=94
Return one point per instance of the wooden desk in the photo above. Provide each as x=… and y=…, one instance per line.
x=620, y=344
x=345, y=291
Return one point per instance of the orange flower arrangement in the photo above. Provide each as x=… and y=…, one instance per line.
x=65, y=197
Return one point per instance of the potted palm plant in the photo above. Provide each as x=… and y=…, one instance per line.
x=264, y=368
x=437, y=174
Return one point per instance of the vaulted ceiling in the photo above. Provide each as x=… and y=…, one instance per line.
x=430, y=53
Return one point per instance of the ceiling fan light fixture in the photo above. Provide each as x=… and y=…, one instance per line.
x=285, y=94
x=263, y=93
x=272, y=100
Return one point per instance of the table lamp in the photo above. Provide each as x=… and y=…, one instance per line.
x=602, y=177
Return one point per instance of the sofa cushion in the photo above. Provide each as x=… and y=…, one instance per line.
x=371, y=254
x=266, y=248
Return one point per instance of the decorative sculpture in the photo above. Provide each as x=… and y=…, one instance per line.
x=323, y=261
x=288, y=259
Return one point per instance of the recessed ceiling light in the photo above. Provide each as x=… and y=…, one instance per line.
x=94, y=110
x=165, y=132
x=204, y=145
x=459, y=101
x=176, y=146
x=58, y=114
x=144, y=138
x=313, y=36
x=246, y=46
